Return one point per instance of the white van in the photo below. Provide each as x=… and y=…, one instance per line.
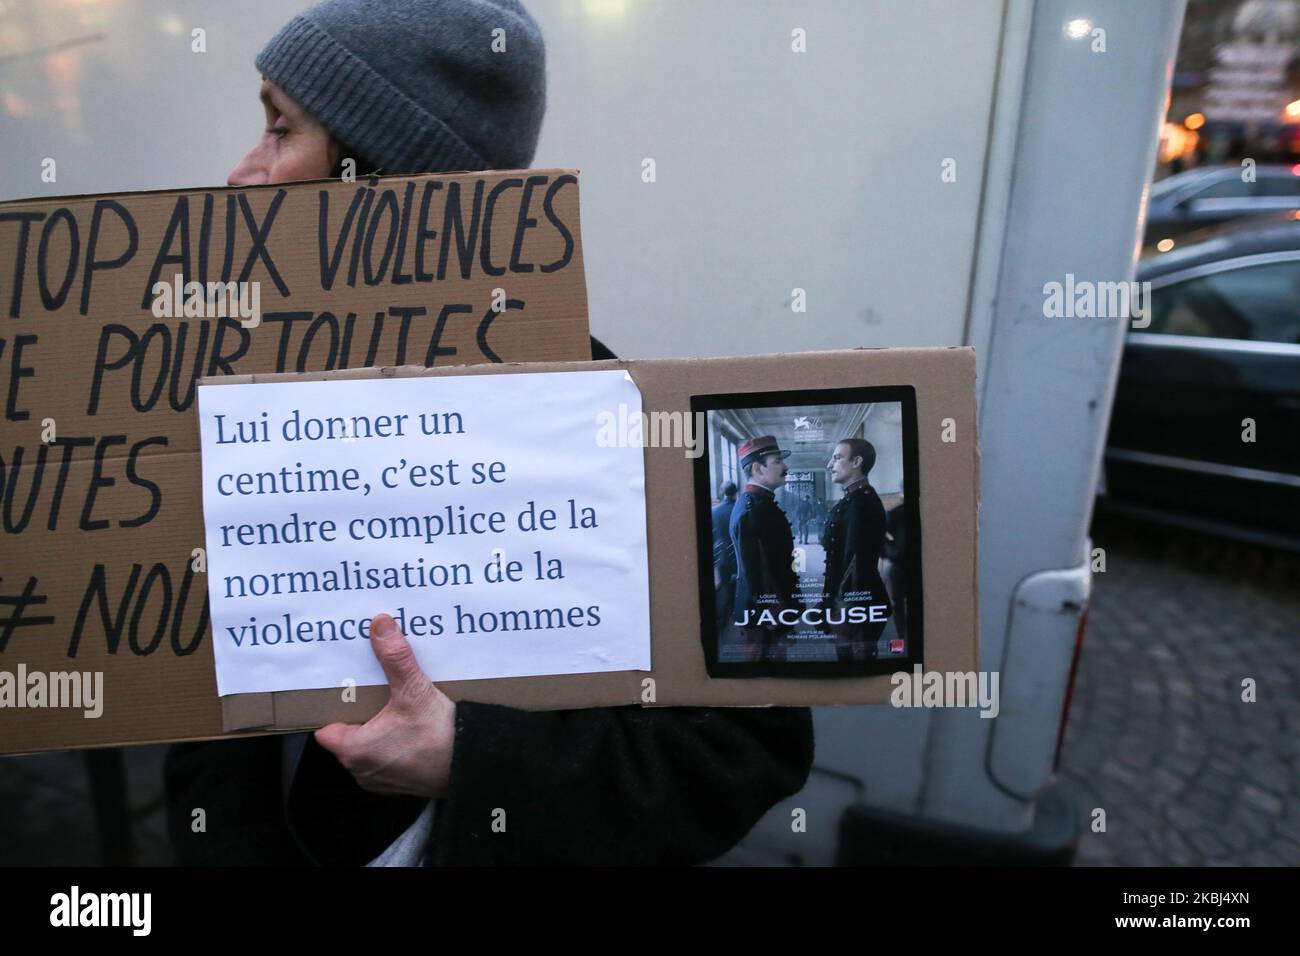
x=921, y=171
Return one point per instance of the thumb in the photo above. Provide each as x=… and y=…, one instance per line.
x=397, y=658
x=335, y=737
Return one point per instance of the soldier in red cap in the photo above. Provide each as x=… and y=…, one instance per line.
x=766, y=584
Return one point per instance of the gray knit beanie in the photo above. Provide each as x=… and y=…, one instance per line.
x=416, y=85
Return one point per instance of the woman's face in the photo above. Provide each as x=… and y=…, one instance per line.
x=293, y=146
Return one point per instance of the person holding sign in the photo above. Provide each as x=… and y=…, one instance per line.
x=410, y=86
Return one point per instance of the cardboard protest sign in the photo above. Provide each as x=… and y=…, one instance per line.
x=916, y=407
x=115, y=306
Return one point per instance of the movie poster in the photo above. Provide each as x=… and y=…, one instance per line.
x=809, y=533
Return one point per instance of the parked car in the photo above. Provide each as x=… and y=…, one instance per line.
x=1203, y=197
x=1205, y=428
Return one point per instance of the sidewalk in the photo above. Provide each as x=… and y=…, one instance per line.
x=1159, y=736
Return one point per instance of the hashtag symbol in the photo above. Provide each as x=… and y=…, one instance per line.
x=20, y=604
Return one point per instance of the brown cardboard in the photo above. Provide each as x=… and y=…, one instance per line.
x=944, y=380
x=50, y=348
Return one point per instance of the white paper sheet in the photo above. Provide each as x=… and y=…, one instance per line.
x=289, y=616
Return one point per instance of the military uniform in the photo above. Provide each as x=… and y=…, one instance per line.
x=724, y=563
x=853, y=540
x=765, y=579
x=803, y=512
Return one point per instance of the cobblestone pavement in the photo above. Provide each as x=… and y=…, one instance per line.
x=1159, y=736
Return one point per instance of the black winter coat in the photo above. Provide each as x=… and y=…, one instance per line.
x=600, y=786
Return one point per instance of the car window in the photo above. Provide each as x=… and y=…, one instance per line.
x=1256, y=303
x=1230, y=188
x=1286, y=186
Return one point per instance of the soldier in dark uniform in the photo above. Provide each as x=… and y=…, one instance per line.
x=724, y=558
x=766, y=583
x=803, y=514
x=895, y=575
x=853, y=539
